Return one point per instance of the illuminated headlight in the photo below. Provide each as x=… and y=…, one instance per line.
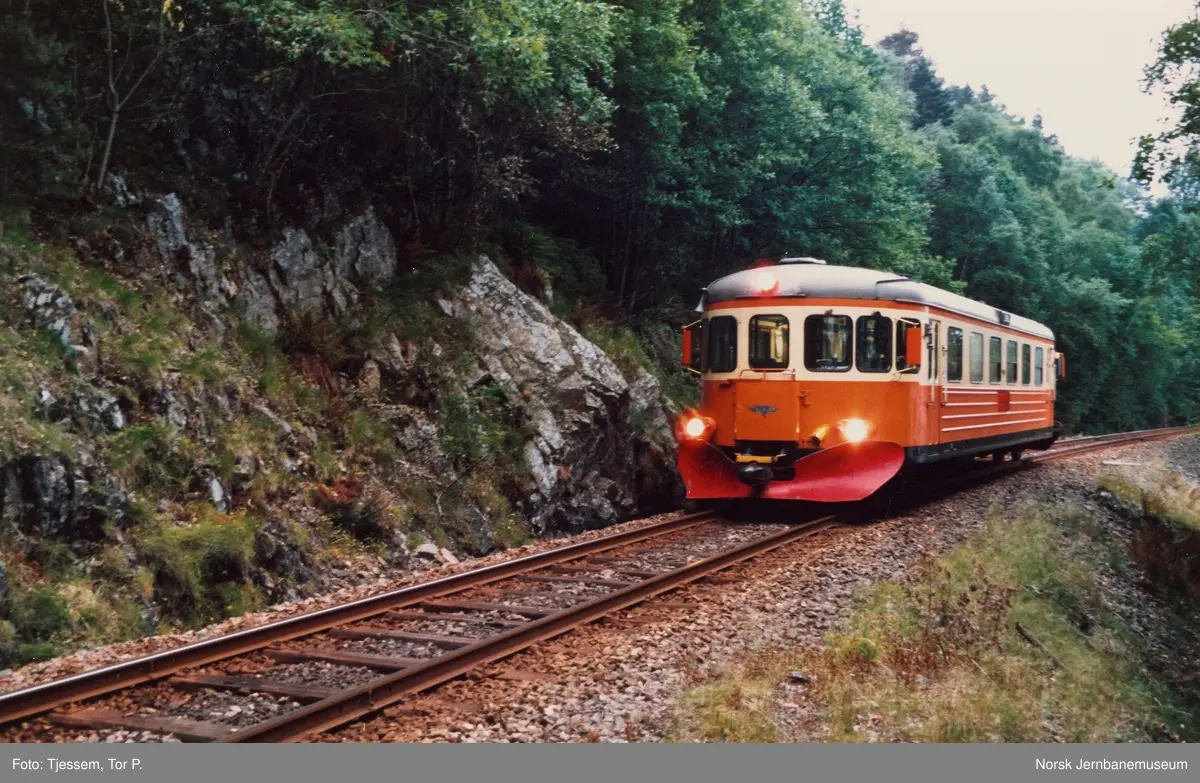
x=854, y=430
x=695, y=427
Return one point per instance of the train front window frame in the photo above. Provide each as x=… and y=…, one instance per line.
x=976, y=357
x=1010, y=364
x=872, y=343
x=1026, y=360
x=825, y=337
x=722, y=338
x=773, y=339
x=954, y=354
x=1039, y=366
x=995, y=359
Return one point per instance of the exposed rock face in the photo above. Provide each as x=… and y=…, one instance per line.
x=301, y=282
x=56, y=497
x=192, y=259
x=598, y=446
x=278, y=553
x=96, y=409
x=365, y=252
x=296, y=277
x=658, y=483
x=582, y=454
x=51, y=309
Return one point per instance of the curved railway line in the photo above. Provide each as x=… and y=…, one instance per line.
x=381, y=649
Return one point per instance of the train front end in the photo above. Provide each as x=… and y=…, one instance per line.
x=784, y=413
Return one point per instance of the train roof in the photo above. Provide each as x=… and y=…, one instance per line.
x=813, y=278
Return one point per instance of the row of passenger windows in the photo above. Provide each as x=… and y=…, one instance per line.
x=1001, y=358
x=835, y=343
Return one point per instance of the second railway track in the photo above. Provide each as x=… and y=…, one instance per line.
x=290, y=679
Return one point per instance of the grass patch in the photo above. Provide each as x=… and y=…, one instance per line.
x=153, y=457
x=201, y=570
x=484, y=424
x=947, y=657
x=29, y=361
x=733, y=709
x=1167, y=540
x=51, y=616
x=1161, y=493
x=371, y=436
x=621, y=344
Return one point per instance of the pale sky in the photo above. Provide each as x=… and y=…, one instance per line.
x=1077, y=62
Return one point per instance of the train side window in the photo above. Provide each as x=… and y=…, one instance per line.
x=722, y=344
x=769, y=342
x=873, y=343
x=995, y=359
x=976, y=357
x=1012, y=361
x=1039, y=366
x=1025, y=360
x=827, y=343
x=954, y=353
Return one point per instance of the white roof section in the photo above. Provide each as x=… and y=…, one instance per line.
x=820, y=281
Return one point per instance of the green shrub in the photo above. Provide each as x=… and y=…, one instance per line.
x=193, y=565
x=371, y=436
x=40, y=614
x=154, y=457
x=9, y=643
x=37, y=651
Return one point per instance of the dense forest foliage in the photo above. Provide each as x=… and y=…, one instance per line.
x=637, y=148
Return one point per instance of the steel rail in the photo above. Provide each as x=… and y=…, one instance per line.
x=378, y=694
x=1083, y=445
x=1075, y=448
x=98, y=682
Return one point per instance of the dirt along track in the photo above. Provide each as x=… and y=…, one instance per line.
x=277, y=686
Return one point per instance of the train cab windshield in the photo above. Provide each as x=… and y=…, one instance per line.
x=769, y=342
x=722, y=343
x=827, y=340
x=874, y=343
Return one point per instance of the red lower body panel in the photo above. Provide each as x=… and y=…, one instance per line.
x=844, y=473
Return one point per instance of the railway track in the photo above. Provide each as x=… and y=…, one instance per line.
x=290, y=679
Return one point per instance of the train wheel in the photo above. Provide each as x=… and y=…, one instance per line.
x=1015, y=455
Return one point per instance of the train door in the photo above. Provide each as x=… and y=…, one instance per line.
x=933, y=342
x=933, y=339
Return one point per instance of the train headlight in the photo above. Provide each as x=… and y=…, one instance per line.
x=854, y=430
x=693, y=426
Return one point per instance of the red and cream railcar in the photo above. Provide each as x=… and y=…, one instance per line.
x=822, y=382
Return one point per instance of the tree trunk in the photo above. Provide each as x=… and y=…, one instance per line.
x=112, y=131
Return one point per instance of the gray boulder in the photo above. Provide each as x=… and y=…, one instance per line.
x=56, y=497
x=583, y=451
x=365, y=252
x=49, y=307
x=192, y=260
